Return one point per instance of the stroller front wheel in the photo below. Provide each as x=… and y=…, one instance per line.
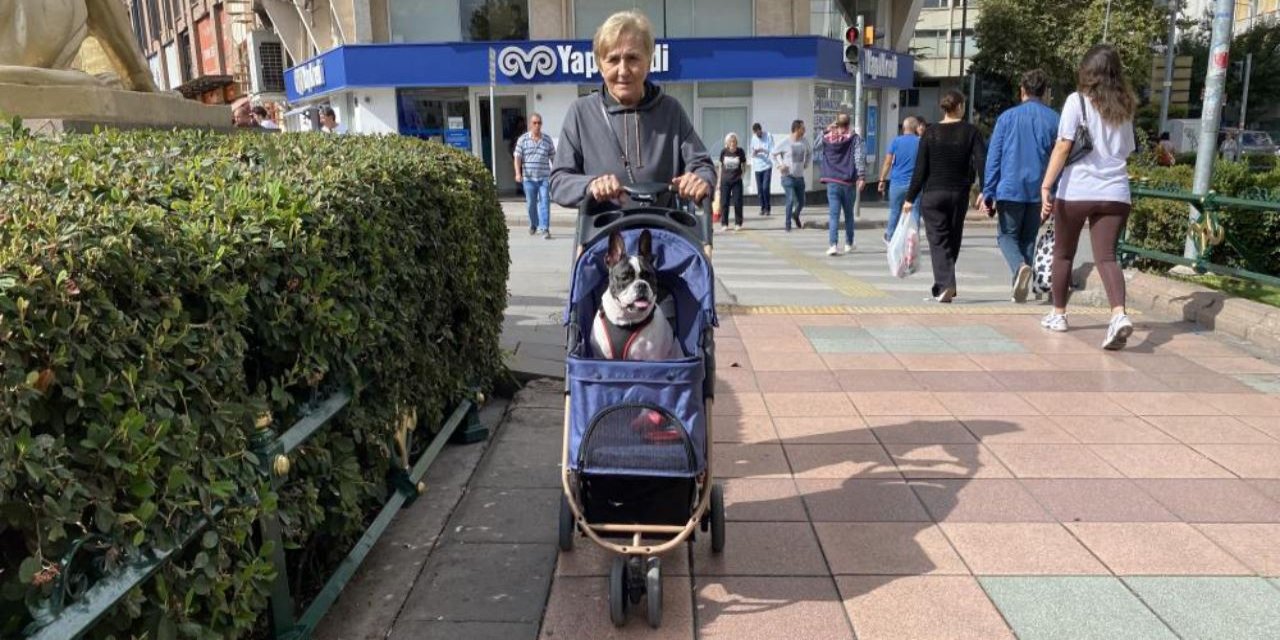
x=618, y=592
x=567, y=524
x=717, y=518
x=653, y=592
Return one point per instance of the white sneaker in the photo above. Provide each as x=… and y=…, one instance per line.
x=848, y=248
x=1022, y=283
x=833, y=251
x=1054, y=321
x=1118, y=333
x=737, y=227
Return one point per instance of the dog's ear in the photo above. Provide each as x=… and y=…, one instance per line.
x=617, y=249
x=646, y=245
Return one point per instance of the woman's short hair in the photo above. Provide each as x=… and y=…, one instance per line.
x=951, y=101
x=620, y=24
x=729, y=135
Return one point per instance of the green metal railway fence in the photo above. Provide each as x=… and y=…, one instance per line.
x=70, y=612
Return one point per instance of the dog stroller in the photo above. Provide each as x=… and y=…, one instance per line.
x=636, y=463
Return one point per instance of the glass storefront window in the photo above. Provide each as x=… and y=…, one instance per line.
x=484, y=20
x=429, y=113
x=672, y=18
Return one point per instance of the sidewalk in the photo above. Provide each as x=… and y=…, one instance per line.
x=914, y=477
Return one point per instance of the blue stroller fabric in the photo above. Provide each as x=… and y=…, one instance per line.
x=675, y=386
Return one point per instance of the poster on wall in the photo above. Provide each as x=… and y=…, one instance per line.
x=828, y=102
x=460, y=138
x=873, y=129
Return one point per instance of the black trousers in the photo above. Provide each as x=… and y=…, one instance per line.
x=731, y=193
x=943, y=214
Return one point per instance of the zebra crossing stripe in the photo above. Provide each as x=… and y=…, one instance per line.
x=836, y=279
x=915, y=310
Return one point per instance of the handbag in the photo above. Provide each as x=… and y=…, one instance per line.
x=1043, y=267
x=1083, y=145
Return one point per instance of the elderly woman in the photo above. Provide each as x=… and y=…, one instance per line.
x=629, y=132
x=732, y=160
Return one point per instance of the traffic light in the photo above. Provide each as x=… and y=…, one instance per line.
x=852, y=46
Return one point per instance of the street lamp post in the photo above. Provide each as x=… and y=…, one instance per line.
x=1211, y=118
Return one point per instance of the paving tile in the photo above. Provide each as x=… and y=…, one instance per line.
x=506, y=515
x=1053, y=461
x=861, y=362
x=847, y=429
x=1210, y=430
x=972, y=381
x=808, y=405
x=732, y=608
x=971, y=347
x=739, y=379
x=914, y=347
x=777, y=344
x=749, y=461
x=839, y=461
x=915, y=361
x=1152, y=363
x=448, y=630
x=978, y=500
x=742, y=403
x=1077, y=381
x=1020, y=548
x=762, y=549
x=462, y=581
x=897, y=403
x=1112, y=430
x=1264, y=382
x=1011, y=362
x=579, y=608
x=520, y=465
x=876, y=380
x=1159, y=461
x=977, y=403
x=1084, y=358
x=744, y=429
x=826, y=346
x=1073, y=608
x=1213, y=608
x=590, y=559
x=919, y=430
x=1268, y=487
x=860, y=501
x=1096, y=500
x=1069, y=403
x=1246, y=364
x=835, y=333
x=914, y=607
x=1199, y=345
x=1265, y=424
x=1162, y=404
x=1201, y=382
x=762, y=500
x=786, y=361
x=902, y=333
x=968, y=332
x=1155, y=548
x=1227, y=500
x=1241, y=404
x=887, y=548
x=1255, y=545
x=794, y=381
x=1010, y=429
x=1245, y=460
x=946, y=461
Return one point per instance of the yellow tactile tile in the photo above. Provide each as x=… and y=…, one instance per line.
x=920, y=310
x=838, y=280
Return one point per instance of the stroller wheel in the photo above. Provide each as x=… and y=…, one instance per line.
x=567, y=525
x=618, y=591
x=653, y=589
x=717, y=518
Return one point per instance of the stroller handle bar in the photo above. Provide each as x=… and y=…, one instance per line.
x=653, y=205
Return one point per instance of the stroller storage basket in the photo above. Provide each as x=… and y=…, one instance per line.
x=636, y=499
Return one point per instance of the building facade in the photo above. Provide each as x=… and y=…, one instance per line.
x=193, y=46
x=425, y=68
x=943, y=46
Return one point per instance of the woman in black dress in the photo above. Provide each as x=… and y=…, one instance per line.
x=952, y=154
x=732, y=161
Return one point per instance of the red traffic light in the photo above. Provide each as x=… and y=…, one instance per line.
x=851, y=35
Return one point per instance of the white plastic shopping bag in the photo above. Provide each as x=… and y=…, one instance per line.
x=904, y=248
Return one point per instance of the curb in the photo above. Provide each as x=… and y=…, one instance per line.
x=1254, y=322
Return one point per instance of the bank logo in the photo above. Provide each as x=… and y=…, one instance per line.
x=538, y=61
x=308, y=77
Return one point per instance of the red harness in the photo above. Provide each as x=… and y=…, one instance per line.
x=615, y=336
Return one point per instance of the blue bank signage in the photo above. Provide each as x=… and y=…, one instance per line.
x=883, y=68
x=455, y=64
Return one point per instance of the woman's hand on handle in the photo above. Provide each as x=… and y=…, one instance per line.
x=691, y=187
x=605, y=188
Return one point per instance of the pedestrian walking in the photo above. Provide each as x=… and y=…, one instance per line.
x=792, y=157
x=920, y=129
x=533, y=154
x=895, y=175
x=732, y=162
x=843, y=171
x=1016, y=161
x=951, y=156
x=1095, y=187
x=762, y=165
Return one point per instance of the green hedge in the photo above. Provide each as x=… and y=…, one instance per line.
x=1162, y=224
x=158, y=291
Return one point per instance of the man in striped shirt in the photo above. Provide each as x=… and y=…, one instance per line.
x=534, y=152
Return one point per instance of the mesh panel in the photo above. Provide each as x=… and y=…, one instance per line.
x=637, y=438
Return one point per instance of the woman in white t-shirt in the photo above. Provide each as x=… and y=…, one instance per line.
x=1094, y=188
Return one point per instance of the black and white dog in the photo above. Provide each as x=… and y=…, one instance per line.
x=629, y=325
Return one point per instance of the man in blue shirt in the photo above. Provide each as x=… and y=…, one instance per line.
x=1016, y=162
x=899, y=165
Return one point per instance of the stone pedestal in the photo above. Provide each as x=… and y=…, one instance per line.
x=51, y=109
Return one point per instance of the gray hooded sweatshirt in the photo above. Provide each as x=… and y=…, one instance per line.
x=636, y=144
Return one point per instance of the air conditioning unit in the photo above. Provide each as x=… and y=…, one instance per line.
x=266, y=63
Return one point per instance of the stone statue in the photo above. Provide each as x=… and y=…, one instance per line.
x=39, y=39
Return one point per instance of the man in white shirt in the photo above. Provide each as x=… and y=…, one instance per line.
x=762, y=164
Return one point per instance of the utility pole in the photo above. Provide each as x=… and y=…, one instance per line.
x=1211, y=117
x=1106, y=23
x=1244, y=99
x=1169, y=53
x=858, y=120
x=964, y=26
